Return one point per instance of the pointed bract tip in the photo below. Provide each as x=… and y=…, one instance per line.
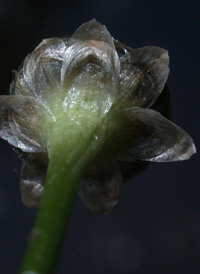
x=94, y=20
x=191, y=150
x=93, y=30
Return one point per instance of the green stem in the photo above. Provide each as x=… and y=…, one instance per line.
x=67, y=163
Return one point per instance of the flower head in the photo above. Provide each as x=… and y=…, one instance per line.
x=76, y=83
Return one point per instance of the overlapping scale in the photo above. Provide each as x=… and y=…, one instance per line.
x=90, y=69
x=23, y=121
x=143, y=75
x=101, y=188
x=33, y=175
x=149, y=136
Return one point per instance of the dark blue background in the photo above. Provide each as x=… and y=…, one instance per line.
x=156, y=229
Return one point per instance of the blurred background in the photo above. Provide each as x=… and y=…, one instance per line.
x=156, y=228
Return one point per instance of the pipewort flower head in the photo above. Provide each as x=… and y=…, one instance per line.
x=73, y=84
